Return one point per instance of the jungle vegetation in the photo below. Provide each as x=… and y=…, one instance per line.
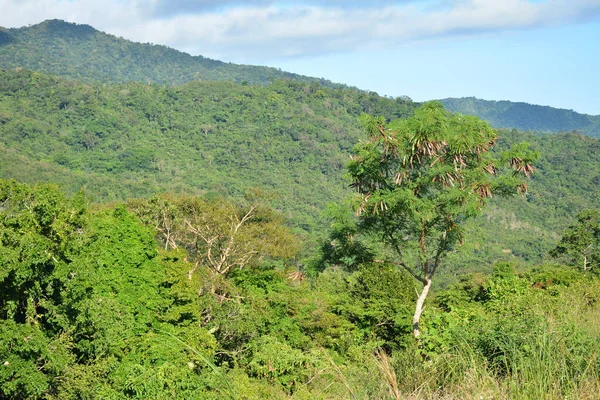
x=276, y=238
x=131, y=300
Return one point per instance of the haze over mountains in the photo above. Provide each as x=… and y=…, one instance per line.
x=130, y=120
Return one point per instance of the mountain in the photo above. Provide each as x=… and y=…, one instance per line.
x=132, y=140
x=223, y=305
x=131, y=120
x=524, y=116
x=290, y=139
x=83, y=53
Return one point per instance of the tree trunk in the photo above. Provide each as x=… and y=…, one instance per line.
x=419, y=307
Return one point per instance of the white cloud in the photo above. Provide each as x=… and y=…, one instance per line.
x=175, y=7
x=251, y=31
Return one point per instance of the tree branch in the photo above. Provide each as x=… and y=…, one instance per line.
x=410, y=271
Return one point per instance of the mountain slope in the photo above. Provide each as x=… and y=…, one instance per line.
x=524, y=116
x=290, y=139
x=83, y=53
x=523, y=229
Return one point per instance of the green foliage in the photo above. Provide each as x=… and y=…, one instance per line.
x=344, y=246
x=126, y=301
x=504, y=285
x=133, y=140
x=82, y=304
x=203, y=137
x=217, y=233
x=524, y=334
x=31, y=362
x=548, y=276
x=580, y=243
x=525, y=229
x=418, y=182
x=278, y=362
x=41, y=232
x=117, y=317
x=112, y=294
x=380, y=304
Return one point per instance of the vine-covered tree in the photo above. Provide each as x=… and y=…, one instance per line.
x=418, y=180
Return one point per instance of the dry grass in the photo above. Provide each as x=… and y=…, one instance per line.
x=389, y=375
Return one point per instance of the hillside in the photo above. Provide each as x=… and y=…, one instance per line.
x=82, y=53
x=85, y=54
x=523, y=229
x=524, y=116
x=174, y=227
x=290, y=139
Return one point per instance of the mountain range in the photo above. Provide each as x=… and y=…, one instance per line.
x=120, y=119
x=174, y=227
x=85, y=54
x=524, y=116
x=82, y=53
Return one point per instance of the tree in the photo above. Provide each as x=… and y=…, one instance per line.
x=580, y=243
x=216, y=233
x=420, y=179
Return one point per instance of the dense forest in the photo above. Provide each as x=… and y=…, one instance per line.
x=190, y=229
x=83, y=53
x=524, y=116
x=291, y=140
x=93, y=306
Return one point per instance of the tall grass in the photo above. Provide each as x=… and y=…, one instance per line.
x=557, y=356
x=546, y=370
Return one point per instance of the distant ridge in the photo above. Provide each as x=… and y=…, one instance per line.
x=85, y=54
x=524, y=116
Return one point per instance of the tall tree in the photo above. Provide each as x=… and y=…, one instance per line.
x=418, y=180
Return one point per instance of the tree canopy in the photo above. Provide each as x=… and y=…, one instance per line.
x=80, y=52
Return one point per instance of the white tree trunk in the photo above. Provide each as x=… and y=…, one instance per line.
x=419, y=307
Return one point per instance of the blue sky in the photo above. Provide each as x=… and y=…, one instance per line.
x=558, y=66
x=543, y=52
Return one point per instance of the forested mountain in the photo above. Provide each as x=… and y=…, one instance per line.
x=524, y=116
x=566, y=181
x=290, y=139
x=83, y=53
x=201, y=244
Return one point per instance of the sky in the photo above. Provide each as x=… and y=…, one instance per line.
x=543, y=52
